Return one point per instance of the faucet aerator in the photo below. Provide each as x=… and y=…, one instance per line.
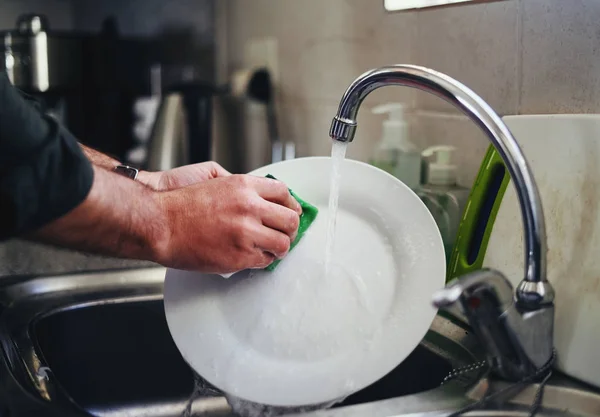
x=342, y=130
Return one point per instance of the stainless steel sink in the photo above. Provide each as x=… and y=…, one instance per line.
x=125, y=352
x=98, y=344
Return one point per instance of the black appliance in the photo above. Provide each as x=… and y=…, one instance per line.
x=90, y=81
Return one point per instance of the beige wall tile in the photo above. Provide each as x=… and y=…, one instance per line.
x=323, y=46
x=561, y=56
x=476, y=44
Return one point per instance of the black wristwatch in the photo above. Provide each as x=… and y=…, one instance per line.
x=127, y=171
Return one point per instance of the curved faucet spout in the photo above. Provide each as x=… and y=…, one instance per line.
x=534, y=291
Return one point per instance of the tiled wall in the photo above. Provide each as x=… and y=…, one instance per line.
x=322, y=47
x=522, y=56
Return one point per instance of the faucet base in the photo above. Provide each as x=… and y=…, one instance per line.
x=534, y=294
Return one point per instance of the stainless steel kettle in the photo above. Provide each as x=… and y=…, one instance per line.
x=168, y=147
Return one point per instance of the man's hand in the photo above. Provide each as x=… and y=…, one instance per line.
x=182, y=176
x=228, y=224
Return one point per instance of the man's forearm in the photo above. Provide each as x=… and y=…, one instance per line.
x=149, y=179
x=98, y=158
x=119, y=218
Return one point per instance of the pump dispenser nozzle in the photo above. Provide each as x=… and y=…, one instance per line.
x=441, y=171
x=395, y=110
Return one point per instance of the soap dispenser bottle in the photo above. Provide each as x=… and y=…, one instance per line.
x=442, y=195
x=395, y=153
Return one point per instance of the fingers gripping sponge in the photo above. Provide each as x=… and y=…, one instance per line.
x=308, y=216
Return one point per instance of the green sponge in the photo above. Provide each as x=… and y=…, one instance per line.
x=309, y=214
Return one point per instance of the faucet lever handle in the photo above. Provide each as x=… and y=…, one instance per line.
x=466, y=286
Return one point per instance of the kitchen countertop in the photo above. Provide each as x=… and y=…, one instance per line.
x=19, y=257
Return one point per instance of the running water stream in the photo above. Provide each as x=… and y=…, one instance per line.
x=338, y=153
x=201, y=389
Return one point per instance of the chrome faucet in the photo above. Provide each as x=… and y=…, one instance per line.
x=515, y=327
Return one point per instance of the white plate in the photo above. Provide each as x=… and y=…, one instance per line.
x=294, y=338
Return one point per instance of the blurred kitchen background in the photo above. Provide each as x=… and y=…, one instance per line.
x=123, y=72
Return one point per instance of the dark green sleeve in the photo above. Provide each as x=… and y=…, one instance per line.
x=43, y=172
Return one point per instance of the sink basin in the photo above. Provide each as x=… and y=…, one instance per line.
x=113, y=357
x=116, y=356
x=98, y=344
